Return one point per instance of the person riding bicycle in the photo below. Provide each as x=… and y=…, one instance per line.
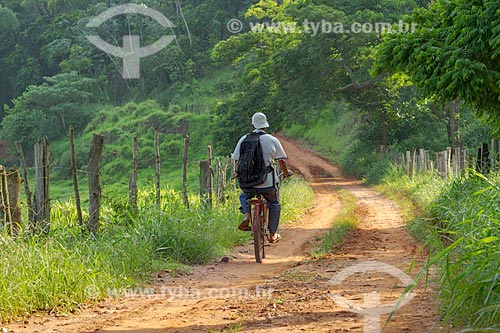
x=272, y=150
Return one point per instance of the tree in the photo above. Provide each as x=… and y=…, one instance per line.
x=453, y=54
x=49, y=109
x=9, y=28
x=302, y=71
x=8, y=22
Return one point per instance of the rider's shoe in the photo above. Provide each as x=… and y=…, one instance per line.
x=244, y=225
x=274, y=238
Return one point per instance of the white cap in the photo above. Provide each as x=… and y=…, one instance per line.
x=259, y=120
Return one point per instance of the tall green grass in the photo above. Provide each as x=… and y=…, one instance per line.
x=468, y=215
x=295, y=196
x=64, y=269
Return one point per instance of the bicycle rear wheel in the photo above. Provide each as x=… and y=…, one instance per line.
x=258, y=235
x=264, y=228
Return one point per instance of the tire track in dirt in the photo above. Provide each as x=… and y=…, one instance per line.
x=287, y=293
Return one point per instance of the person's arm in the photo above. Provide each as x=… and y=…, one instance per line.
x=284, y=167
x=281, y=157
x=236, y=156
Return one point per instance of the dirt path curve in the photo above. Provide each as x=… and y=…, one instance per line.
x=288, y=292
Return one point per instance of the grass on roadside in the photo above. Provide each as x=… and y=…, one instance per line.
x=345, y=221
x=468, y=215
x=296, y=197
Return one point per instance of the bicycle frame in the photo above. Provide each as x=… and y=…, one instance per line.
x=259, y=217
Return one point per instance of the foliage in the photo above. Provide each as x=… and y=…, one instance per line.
x=292, y=73
x=414, y=196
x=47, y=37
x=295, y=196
x=9, y=29
x=345, y=137
x=8, y=22
x=468, y=210
x=120, y=125
x=49, y=109
x=452, y=54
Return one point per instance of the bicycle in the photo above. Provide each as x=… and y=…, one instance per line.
x=259, y=217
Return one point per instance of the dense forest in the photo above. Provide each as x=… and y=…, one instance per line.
x=348, y=95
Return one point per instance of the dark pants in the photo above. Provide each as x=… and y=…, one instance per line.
x=271, y=196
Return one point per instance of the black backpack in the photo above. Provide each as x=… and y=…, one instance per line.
x=251, y=166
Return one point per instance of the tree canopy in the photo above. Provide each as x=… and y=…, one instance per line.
x=291, y=74
x=50, y=109
x=453, y=54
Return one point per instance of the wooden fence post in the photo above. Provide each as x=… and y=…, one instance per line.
x=95, y=187
x=218, y=166
x=74, y=171
x=495, y=157
x=455, y=158
x=42, y=187
x=233, y=172
x=205, y=182
x=157, y=154
x=414, y=161
x=483, y=158
x=409, y=162
x=5, y=204
x=448, y=161
x=402, y=161
x=221, y=171
x=210, y=176
x=29, y=201
x=458, y=159
x=132, y=185
x=439, y=164
x=14, y=189
x=421, y=160
x=184, y=171
x=430, y=162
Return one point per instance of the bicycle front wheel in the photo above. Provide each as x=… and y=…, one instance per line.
x=258, y=238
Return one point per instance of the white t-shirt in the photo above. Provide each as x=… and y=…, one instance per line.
x=271, y=150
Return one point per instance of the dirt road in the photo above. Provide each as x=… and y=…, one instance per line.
x=289, y=292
